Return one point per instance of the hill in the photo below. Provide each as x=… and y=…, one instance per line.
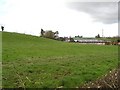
x=36, y=62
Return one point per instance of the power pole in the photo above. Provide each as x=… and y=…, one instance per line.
x=102, y=33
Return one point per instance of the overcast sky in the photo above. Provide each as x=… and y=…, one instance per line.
x=69, y=17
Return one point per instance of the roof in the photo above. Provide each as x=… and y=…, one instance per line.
x=89, y=40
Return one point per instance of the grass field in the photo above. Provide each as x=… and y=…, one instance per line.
x=36, y=62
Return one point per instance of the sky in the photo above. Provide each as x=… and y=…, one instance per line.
x=86, y=18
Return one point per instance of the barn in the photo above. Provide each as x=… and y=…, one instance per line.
x=91, y=41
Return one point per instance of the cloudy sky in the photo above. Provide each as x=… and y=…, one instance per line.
x=69, y=17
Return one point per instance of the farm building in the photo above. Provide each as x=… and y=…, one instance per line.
x=91, y=41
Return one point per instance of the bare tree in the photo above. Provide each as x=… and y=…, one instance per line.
x=42, y=32
x=49, y=34
x=56, y=34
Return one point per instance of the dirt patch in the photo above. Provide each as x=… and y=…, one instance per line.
x=110, y=80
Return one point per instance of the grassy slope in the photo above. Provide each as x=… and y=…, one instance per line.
x=0, y=59
x=30, y=61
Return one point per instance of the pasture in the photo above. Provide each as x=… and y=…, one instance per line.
x=36, y=62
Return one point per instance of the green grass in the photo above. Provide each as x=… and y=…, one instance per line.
x=36, y=62
x=0, y=59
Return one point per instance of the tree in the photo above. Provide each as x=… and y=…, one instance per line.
x=2, y=27
x=56, y=34
x=42, y=32
x=71, y=39
x=98, y=36
x=78, y=36
x=49, y=34
x=118, y=40
x=61, y=39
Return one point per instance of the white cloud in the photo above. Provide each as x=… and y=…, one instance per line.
x=105, y=12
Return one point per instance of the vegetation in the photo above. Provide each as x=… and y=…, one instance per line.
x=2, y=27
x=42, y=32
x=49, y=34
x=112, y=39
x=78, y=36
x=98, y=36
x=71, y=39
x=37, y=62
